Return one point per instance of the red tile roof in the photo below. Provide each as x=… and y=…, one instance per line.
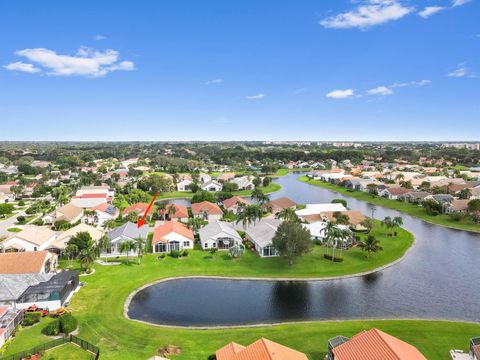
x=374, y=344
x=206, y=206
x=282, y=203
x=262, y=349
x=170, y=227
x=233, y=201
x=23, y=262
x=180, y=211
x=139, y=208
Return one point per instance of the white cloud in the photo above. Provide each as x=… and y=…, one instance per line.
x=23, y=67
x=459, y=72
x=430, y=10
x=86, y=62
x=370, y=13
x=380, y=91
x=413, y=83
x=255, y=97
x=214, y=81
x=99, y=37
x=341, y=94
x=456, y=3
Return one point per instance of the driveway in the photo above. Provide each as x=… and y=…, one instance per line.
x=8, y=223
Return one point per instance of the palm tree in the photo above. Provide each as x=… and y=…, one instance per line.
x=70, y=250
x=172, y=209
x=397, y=222
x=288, y=214
x=162, y=206
x=399, y=177
x=388, y=223
x=103, y=245
x=87, y=257
x=370, y=245
x=140, y=245
x=110, y=224
x=127, y=246
x=194, y=223
x=332, y=233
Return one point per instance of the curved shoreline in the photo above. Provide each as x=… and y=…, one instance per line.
x=390, y=208
x=129, y=298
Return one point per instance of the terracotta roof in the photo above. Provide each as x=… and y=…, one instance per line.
x=35, y=234
x=398, y=190
x=282, y=203
x=139, y=208
x=70, y=212
x=355, y=217
x=23, y=262
x=229, y=203
x=459, y=204
x=180, y=211
x=374, y=344
x=262, y=349
x=170, y=227
x=206, y=206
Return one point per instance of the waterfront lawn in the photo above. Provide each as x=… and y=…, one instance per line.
x=410, y=209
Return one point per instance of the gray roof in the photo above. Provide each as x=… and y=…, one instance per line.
x=12, y=286
x=218, y=228
x=263, y=231
x=129, y=230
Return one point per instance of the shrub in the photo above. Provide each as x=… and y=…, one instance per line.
x=21, y=203
x=175, y=254
x=335, y=259
x=457, y=216
x=67, y=323
x=31, y=318
x=161, y=256
x=339, y=201
x=38, y=222
x=21, y=219
x=52, y=329
x=212, y=357
x=185, y=252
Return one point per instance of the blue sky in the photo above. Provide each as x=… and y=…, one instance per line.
x=240, y=70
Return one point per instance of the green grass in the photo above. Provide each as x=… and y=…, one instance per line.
x=410, y=209
x=68, y=351
x=99, y=307
x=14, y=229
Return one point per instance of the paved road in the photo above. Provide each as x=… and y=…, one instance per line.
x=8, y=223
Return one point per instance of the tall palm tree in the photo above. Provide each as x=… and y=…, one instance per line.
x=162, y=206
x=288, y=214
x=370, y=244
x=399, y=177
x=332, y=233
x=127, y=246
x=388, y=223
x=194, y=223
x=110, y=224
x=140, y=246
x=103, y=245
x=397, y=222
x=172, y=209
x=70, y=251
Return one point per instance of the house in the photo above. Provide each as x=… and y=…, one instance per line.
x=457, y=205
x=212, y=186
x=414, y=197
x=442, y=199
x=89, y=200
x=180, y=213
x=69, y=213
x=373, y=344
x=355, y=218
x=207, y=211
x=226, y=176
x=127, y=232
x=51, y=290
x=34, y=238
x=204, y=178
x=184, y=185
x=277, y=205
x=172, y=235
x=393, y=193
x=261, y=234
x=9, y=320
x=139, y=208
x=262, y=349
x=244, y=182
x=27, y=262
x=220, y=235
x=102, y=189
x=313, y=209
x=6, y=198
x=63, y=239
x=233, y=203
x=103, y=213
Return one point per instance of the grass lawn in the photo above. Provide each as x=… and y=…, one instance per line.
x=410, y=209
x=14, y=229
x=99, y=307
x=68, y=351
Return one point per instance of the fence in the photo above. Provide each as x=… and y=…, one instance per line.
x=54, y=343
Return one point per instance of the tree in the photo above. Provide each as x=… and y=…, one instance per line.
x=87, y=257
x=172, y=209
x=372, y=188
x=465, y=194
x=257, y=181
x=368, y=223
x=110, y=224
x=127, y=246
x=473, y=206
x=140, y=246
x=406, y=184
x=6, y=209
x=288, y=214
x=70, y=251
x=291, y=241
x=213, y=252
x=103, y=245
x=333, y=235
x=82, y=240
x=340, y=201
x=340, y=218
x=194, y=223
x=399, y=177
x=248, y=214
x=230, y=187
x=424, y=186
x=397, y=221
x=203, y=196
x=432, y=207
x=266, y=181
x=236, y=251
x=370, y=245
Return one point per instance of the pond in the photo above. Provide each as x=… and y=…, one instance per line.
x=438, y=279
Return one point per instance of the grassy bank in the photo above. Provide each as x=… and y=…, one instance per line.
x=410, y=209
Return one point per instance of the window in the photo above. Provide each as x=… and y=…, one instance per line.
x=214, y=245
x=160, y=247
x=206, y=246
x=186, y=243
